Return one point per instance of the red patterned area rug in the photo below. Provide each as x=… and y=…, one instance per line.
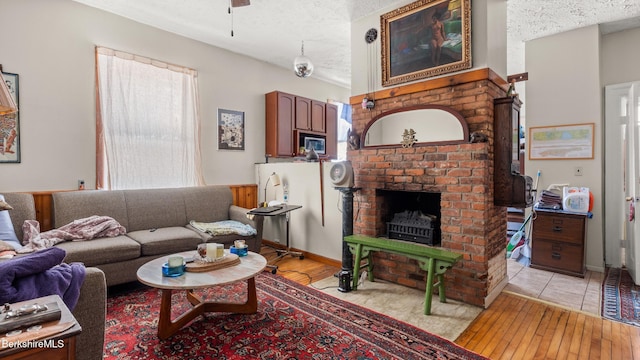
x=293, y=322
x=620, y=297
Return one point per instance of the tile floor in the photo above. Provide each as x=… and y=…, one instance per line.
x=569, y=291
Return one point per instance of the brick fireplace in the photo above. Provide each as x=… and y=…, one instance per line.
x=460, y=174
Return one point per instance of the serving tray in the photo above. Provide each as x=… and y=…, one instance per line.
x=226, y=261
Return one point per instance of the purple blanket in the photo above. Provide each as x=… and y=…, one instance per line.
x=38, y=274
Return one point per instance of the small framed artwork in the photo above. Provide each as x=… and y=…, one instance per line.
x=230, y=130
x=561, y=142
x=425, y=38
x=10, y=125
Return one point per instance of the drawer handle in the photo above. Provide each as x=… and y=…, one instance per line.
x=557, y=228
x=555, y=256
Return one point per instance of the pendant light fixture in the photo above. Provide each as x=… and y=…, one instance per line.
x=302, y=66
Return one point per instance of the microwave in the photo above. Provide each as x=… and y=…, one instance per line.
x=315, y=143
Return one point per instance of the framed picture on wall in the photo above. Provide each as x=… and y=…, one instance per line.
x=230, y=130
x=561, y=142
x=425, y=38
x=10, y=125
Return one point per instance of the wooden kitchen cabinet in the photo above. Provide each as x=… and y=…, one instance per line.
x=303, y=113
x=558, y=242
x=280, y=117
x=318, y=118
x=310, y=115
x=290, y=118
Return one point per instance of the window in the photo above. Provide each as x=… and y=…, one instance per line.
x=148, y=126
x=344, y=126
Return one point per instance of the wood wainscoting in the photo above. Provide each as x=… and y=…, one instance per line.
x=244, y=195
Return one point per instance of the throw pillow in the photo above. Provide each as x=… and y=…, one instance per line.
x=5, y=206
x=7, y=233
x=4, y=246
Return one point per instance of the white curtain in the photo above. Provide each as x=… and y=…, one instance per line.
x=148, y=123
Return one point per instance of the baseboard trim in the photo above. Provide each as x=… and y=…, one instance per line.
x=495, y=292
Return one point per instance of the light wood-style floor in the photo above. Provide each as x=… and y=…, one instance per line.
x=514, y=326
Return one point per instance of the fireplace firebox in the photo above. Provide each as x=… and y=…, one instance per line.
x=411, y=216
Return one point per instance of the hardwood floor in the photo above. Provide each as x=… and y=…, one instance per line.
x=303, y=271
x=515, y=327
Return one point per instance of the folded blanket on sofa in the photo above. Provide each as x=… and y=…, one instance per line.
x=41, y=274
x=226, y=227
x=82, y=229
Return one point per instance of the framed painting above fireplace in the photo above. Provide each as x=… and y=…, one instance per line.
x=424, y=39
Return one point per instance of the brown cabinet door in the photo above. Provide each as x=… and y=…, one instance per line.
x=280, y=112
x=331, y=128
x=317, y=116
x=303, y=113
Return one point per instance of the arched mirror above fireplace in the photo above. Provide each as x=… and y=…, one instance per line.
x=416, y=126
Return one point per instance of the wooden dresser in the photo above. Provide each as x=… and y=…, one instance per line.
x=558, y=242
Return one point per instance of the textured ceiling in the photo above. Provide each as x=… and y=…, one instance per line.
x=272, y=30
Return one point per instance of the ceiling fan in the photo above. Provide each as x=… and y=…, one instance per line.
x=235, y=4
x=239, y=3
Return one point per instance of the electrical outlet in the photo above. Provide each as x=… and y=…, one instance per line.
x=578, y=171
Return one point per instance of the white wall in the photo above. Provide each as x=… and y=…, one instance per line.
x=488, y=42
x=620, y=57
x=564, y=87
x=306, y=228
x=50, y=44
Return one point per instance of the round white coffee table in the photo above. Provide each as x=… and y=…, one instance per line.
x=151, y=274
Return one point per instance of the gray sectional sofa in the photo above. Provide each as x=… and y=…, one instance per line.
x=90, y=311
x=157, y=224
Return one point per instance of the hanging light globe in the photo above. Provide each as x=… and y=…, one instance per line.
x=302, y=65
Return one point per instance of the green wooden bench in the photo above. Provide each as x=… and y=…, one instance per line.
x=434, y=261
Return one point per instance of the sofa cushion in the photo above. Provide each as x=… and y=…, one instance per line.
x=24, y=208
x=154, y=208
x=207, y=203
x=101, y=251
x=72, y=205
x=166, y=240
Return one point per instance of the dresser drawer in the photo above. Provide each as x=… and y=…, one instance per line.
x=559, y=255
x=566, y=228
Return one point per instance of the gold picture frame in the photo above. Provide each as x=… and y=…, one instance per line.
x=424, y=39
